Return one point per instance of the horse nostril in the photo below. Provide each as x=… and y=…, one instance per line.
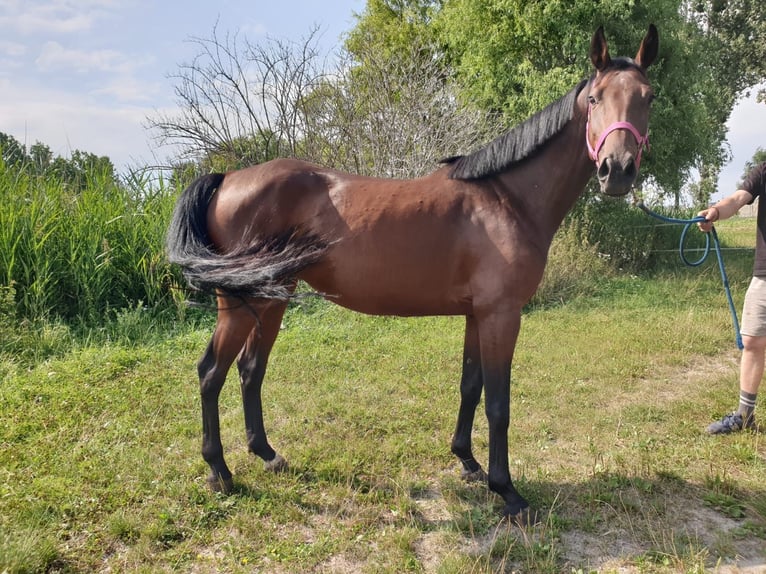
x=605, y=168
x=630, y=169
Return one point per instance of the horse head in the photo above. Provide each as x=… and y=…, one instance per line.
x=618, y=100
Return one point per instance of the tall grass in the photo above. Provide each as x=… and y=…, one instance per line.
x=79, y=254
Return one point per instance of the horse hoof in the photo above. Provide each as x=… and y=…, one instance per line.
x=220, y=484
x=523, y=518
x=474, y=476
x=276, y=464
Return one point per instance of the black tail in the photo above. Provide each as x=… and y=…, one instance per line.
x=262, y=268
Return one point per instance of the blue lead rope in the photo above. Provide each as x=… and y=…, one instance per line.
x=687, y=223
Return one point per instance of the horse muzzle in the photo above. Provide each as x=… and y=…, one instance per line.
x=616, y=177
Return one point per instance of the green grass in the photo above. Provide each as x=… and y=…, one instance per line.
x=100, y=466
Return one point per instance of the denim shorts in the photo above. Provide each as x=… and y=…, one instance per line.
x=754, y=309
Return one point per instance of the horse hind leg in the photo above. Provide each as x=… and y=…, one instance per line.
x=231, y=331
x=470, y=394
x=252, y=368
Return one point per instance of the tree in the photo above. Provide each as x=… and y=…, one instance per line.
x=392, y=26
x=81, y=170
x=758, y=158
x=13, y=153
x=77, y=171
x=242, y=103
x=41, y=157
x=740, y=28
x=396, y=115
x=515, y=56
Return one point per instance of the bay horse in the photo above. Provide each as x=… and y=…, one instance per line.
x=471, y=239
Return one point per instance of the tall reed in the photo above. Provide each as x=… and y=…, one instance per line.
x=80, y=252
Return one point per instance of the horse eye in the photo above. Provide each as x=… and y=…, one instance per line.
x=592, y=100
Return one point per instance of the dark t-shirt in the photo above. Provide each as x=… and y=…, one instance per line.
x=755, y=185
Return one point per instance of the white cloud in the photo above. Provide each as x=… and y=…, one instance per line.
x=54, y=56
x=13, y=49
x=130, y=89
x=52, y=16
x=66, y=122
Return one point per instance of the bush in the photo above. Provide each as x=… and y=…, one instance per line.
x=573, y=267
x=624, y=234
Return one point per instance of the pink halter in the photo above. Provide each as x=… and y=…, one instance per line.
x=643, y=141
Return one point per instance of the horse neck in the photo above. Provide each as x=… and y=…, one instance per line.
x=548, y=185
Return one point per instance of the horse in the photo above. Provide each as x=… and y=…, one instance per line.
x=471, y=238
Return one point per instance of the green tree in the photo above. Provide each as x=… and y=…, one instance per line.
x=75, y=171
x=80, y=169
x=41, y=158
x=516, y=56
x=392, y=27
x=740, y=27
x=12, y=152
x=758, y=158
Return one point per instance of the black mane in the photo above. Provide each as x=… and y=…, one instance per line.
x=517, y=143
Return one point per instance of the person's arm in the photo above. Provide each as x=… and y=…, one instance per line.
x=724, y=209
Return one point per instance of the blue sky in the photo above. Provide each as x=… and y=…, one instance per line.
x=85, y=74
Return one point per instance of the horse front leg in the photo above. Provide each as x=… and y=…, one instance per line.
x=252, y=368
x=470, y=394
x=498, y=334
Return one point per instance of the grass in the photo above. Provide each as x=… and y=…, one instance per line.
x=81, y=254
x=100, y=466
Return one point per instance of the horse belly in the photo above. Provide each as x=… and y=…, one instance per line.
x=378, y=286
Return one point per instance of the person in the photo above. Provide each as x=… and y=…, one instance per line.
x=753, y=326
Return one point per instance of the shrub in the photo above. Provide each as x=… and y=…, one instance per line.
x=573, y=267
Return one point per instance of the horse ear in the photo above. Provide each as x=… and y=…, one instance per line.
x=649, y=48
x=599, y=51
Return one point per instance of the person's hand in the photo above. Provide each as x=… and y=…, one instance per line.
x=711, y=215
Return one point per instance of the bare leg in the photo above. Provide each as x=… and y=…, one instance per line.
x=470, y=394
x=252, y=368
x=752, y=363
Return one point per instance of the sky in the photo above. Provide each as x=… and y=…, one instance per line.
x=86, y=74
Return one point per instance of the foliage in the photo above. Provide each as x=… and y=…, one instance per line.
x=758, y=158
x=388, y=28
x=74, y=172
x=740, y=26
x=574, y=266
x=516, y=57
x=394, y=116
x=78, y=252
x=623, y=234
